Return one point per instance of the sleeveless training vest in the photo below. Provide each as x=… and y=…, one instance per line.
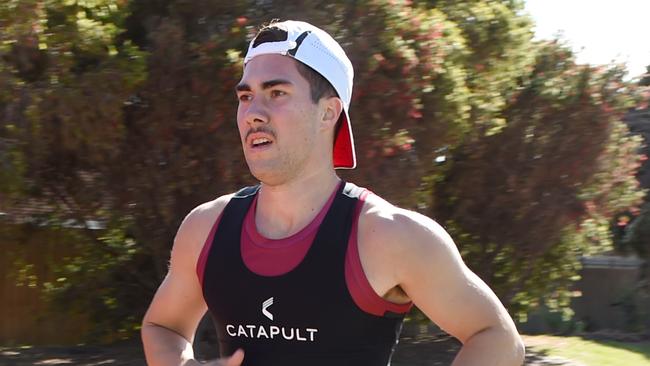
x=303, y=317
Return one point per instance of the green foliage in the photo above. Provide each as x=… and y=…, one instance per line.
x=499, y=41
x=630, y=226
x=541, y=191
x=639, y=232
x=411, y=83
x=103, y=275
x=69, y=74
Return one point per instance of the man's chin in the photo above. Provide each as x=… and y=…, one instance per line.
x=265, y=173
x=272, y=176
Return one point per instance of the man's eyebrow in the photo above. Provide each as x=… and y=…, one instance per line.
x=243, y=87
x=265, y=85
x=275, y=82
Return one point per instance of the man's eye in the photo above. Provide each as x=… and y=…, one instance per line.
x=244, y=97
x=277, y=93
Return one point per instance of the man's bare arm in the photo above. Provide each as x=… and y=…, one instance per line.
x=429, y=268
x=170, y=322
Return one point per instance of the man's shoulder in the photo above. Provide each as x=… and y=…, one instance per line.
x=396, y=245
x=198, y=222
x=383, y=222
x=378, y=211
x=213, y=208
x=210, y=209
x=196, y=226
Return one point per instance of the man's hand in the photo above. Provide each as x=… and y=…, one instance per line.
x=234, y=360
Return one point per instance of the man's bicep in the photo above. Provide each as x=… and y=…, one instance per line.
x=178, y=303
x=448, y=292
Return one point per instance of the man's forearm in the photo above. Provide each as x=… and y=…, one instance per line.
x=494, y=347
x=164, y=347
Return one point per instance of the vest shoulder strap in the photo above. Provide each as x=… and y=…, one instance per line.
x=352, y=190
x=247, y=191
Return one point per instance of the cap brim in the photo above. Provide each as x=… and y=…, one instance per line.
x=344, y=155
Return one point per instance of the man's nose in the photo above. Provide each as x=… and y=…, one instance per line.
x=256, y=112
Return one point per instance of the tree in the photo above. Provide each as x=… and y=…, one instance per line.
x=65, y=76
x=631, y=226
x=564, y=161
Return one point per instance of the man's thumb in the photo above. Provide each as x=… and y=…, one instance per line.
x=236, y=358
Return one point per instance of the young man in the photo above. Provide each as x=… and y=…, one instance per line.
x=305, y=269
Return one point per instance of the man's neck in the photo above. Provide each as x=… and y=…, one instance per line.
x=285, y=209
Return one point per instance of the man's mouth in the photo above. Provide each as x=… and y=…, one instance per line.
x=260, y=141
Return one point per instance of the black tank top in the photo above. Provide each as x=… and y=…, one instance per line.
x=305, y=317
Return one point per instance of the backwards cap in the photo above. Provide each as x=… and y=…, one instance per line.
x=318, y=50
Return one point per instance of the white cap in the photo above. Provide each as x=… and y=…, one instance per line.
x=315, y=48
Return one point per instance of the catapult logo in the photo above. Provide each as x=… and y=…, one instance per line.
x=265, y=305
x=259, y=331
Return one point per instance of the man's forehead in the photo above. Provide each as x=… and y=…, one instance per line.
x=267, y=67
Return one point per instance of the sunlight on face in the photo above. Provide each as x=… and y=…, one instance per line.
x=277, y=121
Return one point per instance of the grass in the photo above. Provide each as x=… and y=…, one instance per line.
x=591, y=352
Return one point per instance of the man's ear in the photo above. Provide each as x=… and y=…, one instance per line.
x=332, y=108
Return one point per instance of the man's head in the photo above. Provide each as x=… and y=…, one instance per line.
x=320, y=62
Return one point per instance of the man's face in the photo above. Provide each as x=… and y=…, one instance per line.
x=277, y=120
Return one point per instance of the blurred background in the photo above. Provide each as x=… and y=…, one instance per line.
x=529, y=145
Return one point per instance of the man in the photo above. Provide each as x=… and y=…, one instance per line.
x=305, y=269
